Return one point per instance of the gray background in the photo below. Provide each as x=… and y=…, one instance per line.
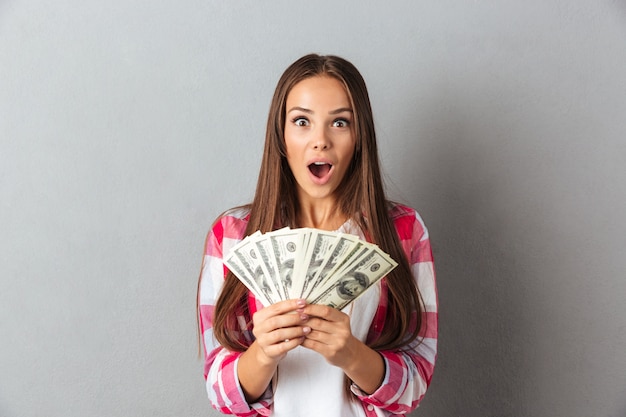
x=126, y=127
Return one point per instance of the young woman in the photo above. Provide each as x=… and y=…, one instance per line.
x=320, y=169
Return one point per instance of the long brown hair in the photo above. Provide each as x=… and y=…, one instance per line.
x=361, y=197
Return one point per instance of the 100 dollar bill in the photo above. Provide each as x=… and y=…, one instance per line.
x=320, y=266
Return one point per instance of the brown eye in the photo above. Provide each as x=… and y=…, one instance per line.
x=300, y=121
x=340, y=123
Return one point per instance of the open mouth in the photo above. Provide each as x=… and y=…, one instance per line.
x=320, y=169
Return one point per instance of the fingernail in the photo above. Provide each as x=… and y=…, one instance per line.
x=300, y=303
x=304, y=317
x=306, y=330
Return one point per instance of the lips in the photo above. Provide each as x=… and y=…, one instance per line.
x=320, y=169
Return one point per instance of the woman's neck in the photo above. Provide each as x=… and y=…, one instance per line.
x=324, y=216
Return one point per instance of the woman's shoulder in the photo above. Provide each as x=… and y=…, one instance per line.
x=406, y=219
x=231, y=223
x=239, y=212
x=398, y=210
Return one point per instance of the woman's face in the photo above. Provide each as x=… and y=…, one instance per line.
x=318, y=137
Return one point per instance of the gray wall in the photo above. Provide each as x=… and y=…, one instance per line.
x=126, y=127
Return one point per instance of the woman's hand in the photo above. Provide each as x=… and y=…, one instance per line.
x=279, y=328
x=331, y=337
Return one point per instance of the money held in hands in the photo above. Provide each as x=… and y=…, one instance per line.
x=323, y=267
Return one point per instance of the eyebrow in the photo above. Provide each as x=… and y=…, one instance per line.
x=309, y=111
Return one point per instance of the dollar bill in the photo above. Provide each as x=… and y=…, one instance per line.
x=268, y=259
x=320, y=244
x=262, y=294
x=343, y=246
x=351, y=282
x=323, y=267
x=249, y=257
x=286, y=244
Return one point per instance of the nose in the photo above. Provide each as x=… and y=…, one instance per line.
x=320, y=140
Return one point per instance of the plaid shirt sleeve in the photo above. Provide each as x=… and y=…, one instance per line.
x=408, y=373
x=220, y=364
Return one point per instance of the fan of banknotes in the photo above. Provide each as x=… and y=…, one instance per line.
x=323, y=267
